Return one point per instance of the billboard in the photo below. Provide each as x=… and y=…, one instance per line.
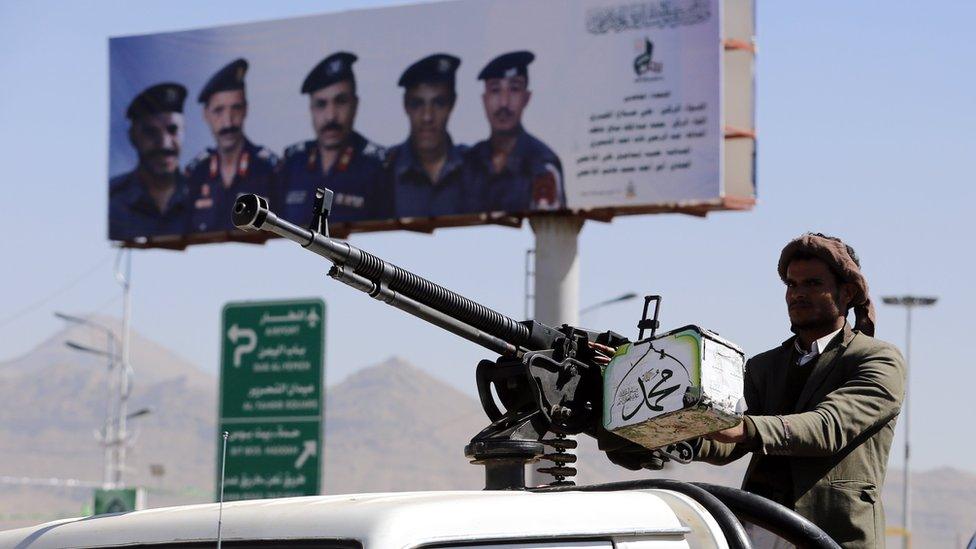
x=433, y=115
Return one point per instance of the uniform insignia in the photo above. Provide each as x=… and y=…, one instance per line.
x=310, y=165
x=511, y=72
x=335, y=66
x=372, y=150
x=268, y=156
x=243, y=163
x=350, y=200
x=294, y=149
x=443, y=64
x=214, y=166
x=545, y=190
x=345, y=159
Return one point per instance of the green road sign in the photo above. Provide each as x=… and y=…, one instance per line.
x=121, y=500
x=271, y=398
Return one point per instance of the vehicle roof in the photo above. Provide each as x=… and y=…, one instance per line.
x=405, y=519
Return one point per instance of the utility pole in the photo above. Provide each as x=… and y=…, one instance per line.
x=115, y=437
x=909, y=302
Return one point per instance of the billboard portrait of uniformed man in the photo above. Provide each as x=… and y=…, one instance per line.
x=427, y=170
x=515, y=171
x=235, y=165
x=339, y=158
x=152, y=199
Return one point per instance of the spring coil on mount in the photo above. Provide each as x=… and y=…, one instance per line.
x=562, y=457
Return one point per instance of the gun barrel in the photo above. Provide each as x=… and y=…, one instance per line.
x=386, y=281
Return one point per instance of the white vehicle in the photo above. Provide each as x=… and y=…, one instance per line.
x=635, y=519
x=584, y=518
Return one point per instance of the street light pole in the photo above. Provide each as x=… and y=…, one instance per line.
x=109, y=426
x=909, y=302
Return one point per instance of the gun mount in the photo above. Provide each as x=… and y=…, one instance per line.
x=547, y=380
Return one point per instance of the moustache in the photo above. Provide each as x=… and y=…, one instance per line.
x=331, y=127
x=232, y=130
x=504, y=111
x=161, y=153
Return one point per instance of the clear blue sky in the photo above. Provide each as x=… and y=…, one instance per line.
x=866, y=119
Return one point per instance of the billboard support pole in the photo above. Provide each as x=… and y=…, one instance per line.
x=124, y=277
x=556, y=288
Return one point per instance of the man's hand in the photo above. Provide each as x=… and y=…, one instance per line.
x=601, y=348
x=732, y=435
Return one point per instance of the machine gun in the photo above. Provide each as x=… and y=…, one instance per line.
x=547, y=379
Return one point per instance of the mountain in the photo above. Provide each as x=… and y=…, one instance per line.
x=389, y=427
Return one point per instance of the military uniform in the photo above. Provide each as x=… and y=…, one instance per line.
x=132, y=212
x=530, y=180
x=211, y=200
x=356, y=177
x=532, y=176
x=417, y=196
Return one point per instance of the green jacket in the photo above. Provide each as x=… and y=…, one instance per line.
x=836, y=440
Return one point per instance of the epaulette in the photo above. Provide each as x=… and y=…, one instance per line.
x=265, y=154
x=297, y=148
x=200, y=158
x=372, y=150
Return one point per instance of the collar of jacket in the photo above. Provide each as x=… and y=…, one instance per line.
x=822, y=365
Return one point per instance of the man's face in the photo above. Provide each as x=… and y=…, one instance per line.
x=225, y=113
x=333, y=111
x=814, y=298
x=505, y=99
x=158, y=139
x=428, y=106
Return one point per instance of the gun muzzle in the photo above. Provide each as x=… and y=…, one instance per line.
x=250, y=212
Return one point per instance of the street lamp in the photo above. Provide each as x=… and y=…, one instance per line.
x=113, y=436
x=139, y=413
x=92, y=350
x=909, y=302
x=625, y=297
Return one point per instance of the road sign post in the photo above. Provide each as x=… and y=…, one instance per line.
x=272, y=398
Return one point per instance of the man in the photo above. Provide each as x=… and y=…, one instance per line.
x=339, y=158
x=426, y=171
x=515, y=171
x=152, y=199
x=822, y=406
x=235, y=166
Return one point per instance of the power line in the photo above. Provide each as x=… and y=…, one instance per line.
x=69, y=285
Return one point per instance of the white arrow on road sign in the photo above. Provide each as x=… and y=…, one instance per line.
x=310, y=450
x=236, y=333
x=312, y=318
